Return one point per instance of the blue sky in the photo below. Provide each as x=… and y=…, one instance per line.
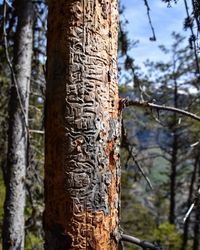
x=164, y=19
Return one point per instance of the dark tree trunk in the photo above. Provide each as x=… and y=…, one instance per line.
x=190, y=195
x=82, y=173
x=196, y=230
x=13, y=228
x=173, y=175
x=173, y=179
x=196, y=242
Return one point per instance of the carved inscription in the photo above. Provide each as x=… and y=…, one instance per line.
x=91, y=123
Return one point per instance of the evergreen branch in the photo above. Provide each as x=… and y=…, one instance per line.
x=138, y=242
x=195, y=15
x=146, y=104
x=192, y=40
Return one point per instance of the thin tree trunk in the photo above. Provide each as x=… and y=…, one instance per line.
x=173, y=175
x=196, y=242
x=190, y=195
x=82, y=174
x=196, y=230
x=13, y=228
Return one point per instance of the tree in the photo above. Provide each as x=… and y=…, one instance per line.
x=13, y=228
x=82, y=174
x=169, y=83
x=175, y=78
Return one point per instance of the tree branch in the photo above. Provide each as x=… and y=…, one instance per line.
x=153, y=38
x=141, y=171
x=195, y=203
x=145, y=104
x=138, y=242
x=36, y=131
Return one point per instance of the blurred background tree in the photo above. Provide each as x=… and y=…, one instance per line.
x=165, y=145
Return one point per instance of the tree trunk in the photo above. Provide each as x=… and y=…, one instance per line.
x=173, y=177
x=196, y=242
x=189, y=201
x=173, y=174
x=13, y=228
x=82, y=173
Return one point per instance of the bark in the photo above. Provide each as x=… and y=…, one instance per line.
x=13, y=227
x=190, y=196
x=82, y=173
x=196, y=242
x=173, y=177
x=173, y=174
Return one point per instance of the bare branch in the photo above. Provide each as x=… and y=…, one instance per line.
x=138, y=242
x=141, y=171
x=188, y=212
x=150, y=105
x=196, y=202
x=36, y=131
x=153, y=38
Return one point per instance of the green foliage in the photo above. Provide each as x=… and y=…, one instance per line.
x=136, y=219
x=33, y=242
x=169, y=84
x=168, y=236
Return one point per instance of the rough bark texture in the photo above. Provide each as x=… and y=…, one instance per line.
x=189, y=202
x=196, y=242
x=13, y=229
x=173, y=179
x=82, y=174
x=174, y=156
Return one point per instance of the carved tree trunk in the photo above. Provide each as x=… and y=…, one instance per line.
x=13, y=228
x=82, y=174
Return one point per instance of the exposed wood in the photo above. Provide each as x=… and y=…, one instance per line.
x=82, y=173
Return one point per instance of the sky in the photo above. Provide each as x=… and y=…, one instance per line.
x=165, y=20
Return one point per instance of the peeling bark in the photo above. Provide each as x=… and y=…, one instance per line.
x=13, y=228
x=82, y=174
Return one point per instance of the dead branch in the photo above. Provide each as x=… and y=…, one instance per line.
x=145, y=104
x=138, y=242
x=33, y=131
x=141, y=170
x=195, y=203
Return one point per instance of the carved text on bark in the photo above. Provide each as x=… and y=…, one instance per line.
x=91, y=123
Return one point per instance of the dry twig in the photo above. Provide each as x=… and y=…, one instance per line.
x=145, y=104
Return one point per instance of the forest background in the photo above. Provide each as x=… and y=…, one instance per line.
x=159, y=150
